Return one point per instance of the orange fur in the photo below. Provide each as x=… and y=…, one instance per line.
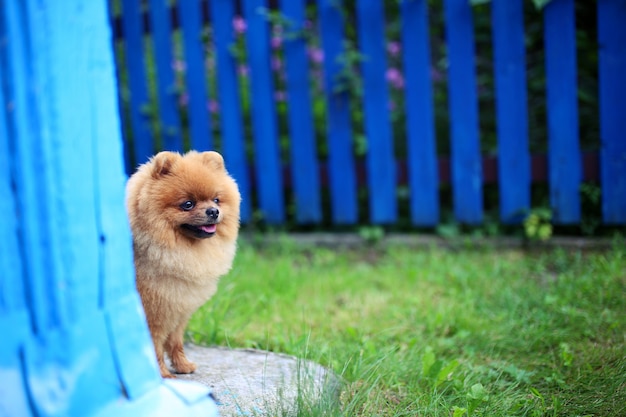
x=178, y=256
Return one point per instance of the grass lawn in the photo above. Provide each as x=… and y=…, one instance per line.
x=435, y=332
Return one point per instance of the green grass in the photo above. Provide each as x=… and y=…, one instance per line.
x=434, y=332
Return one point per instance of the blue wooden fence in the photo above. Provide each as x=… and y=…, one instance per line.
x=74, y=341
x=275, y=172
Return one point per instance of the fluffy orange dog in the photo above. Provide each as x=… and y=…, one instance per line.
x=184, y=215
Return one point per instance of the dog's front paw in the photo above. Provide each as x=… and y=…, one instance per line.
x=183, y=366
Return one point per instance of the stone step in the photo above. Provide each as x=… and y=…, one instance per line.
x=249, y=382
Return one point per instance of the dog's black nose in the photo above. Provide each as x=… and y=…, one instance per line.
x=213, y=213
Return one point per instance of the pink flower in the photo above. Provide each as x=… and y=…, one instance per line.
x=435, y=74
x=276, y=42
x=277, y=64
x=393, y=48
x=239, y=24
x=280, y=95
x=316, y=55
x=243, y=70
x=183, y=99
x=395, y=78
x=179, y=66
x=213, y=106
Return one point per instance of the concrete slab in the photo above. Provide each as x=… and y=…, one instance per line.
x=248, y=382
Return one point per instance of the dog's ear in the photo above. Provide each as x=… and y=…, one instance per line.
x=163, y=162
x=213, y=160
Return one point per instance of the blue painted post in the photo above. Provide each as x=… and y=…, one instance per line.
x=507, y=22
x=304, y=166
x=200, y=136
x=612, y=44
x=564, y=161
x=341, y=166
x=422, y=153
x=171, y=138
x=14, y=314
x=233, y=146
x=266, y=148
x=75, y=341
x=72, y=342
x=142, y=136
x=463, y=103
x=381, y=168
x=44, y=296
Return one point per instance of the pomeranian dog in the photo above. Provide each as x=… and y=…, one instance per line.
x=184, y=216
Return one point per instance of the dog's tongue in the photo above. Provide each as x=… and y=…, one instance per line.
x=209, y=228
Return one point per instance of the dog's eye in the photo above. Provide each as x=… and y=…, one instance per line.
x=187, y=205
x=216, y=200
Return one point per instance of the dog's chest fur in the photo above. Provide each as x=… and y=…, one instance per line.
x=185, y=275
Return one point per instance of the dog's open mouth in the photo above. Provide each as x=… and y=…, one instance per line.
x=201, y=231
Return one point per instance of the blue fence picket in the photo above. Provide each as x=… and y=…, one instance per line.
x=200, y=135
x=142, y=137
x=507, y=22
x=561, y=85
x=266, y=151
x=233, y=147
x=463, y=103
x=422, y=157
x=381, y=169
x=169, y=119
x=612, y=57
x=304, y=165
x=341, y=166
